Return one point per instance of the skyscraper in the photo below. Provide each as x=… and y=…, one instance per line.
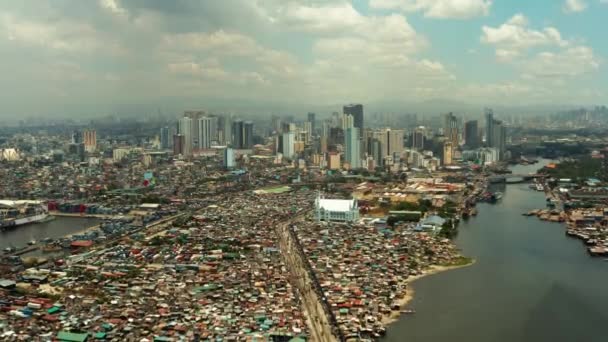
x=394, y=141
x=178, y=144
x=76, y=137
x=90, y=140
x=185, y=130
x=356, y=110
x=288, y=145
x=237, y=134
x=352, y=146
x=164, y=138
x=347, y=121
x=489, y=115
x=229, y=158
x=418, y=137
x=194, y=115
x=204, y=132
x=471, y=134
x=248, y=135
x=496, y=134
x=242, y=134
x=311, y=119
x=448, y=152
x=450, y=129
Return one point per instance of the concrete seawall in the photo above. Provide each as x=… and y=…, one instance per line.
x=320, y=319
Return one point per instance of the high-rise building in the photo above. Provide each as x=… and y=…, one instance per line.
x=356, y=110
x=311, y=119
x=178, y=144
x=333, y=161
x=450, y=129
x=308, y=131
x=347, y=121
x=496, y=134
x=76, y=137
x=229, y=158
x=237, y=134
x=394, y=141
x=374, y=149
x=248, y=135
x=288, y=145
x=489, y=131
x=336, y=136
x=352, y=146
x=205, y=135
x=90, y=140
x=194, y=115
x=418, y=137
x=164, y=138
x=185, y=130
x=471, y=134
x=242, y=134
x=448, y=152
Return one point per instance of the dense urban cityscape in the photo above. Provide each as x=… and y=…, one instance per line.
x=303, y=170
x=210, y=226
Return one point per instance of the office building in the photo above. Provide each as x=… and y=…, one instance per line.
x=418, y=137
x=356, y=110
x=248, y=135
x=238, y=133
x=90, y=140
x=178, y=144
x=489, y=130
x=352, y=145
x=288, y=145
x=496, y=134
x=394, y=141
x=311, y=120
x=471, y=134
x=448, y=153
x=374, y=149
x=347, y=121
x=450, y=129
x=205, y=133
x=185, y=130
x=76, y=137
x=164, y=138
x=229, y=158
x=333, y=161
x=308, y=132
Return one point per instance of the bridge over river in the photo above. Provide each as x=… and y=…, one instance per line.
x=515, y=177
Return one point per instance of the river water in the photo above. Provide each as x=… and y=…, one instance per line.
x=530, y=282
x=59, y=227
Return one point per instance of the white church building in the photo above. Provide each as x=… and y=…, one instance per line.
x=336, y=210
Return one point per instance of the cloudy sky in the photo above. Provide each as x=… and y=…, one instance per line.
x=90, y=56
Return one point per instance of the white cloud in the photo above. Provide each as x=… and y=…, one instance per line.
x=574, y=6
x=568, y=63
x=513, y=41
x=68, y=36
x=444, y=9
x=514, y=37
x=112, y=6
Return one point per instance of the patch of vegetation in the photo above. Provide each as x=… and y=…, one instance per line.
x=580, y=169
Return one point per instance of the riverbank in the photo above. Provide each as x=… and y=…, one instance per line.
x=410, y=292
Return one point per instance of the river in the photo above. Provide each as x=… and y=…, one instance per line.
x=59, y=227
x=530, y=282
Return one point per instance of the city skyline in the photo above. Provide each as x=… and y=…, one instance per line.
x=111, y=56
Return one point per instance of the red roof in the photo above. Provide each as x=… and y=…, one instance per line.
x=82, y=243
